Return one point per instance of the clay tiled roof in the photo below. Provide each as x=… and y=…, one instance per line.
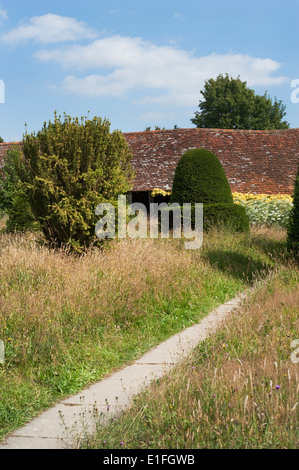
x=254, y=161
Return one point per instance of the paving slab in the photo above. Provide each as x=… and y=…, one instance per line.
x=63, y=425
x=20, y=443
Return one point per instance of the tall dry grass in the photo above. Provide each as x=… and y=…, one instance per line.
x=67, y=321
x=42, y=291
x=239, y=389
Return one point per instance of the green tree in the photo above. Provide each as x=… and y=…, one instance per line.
x=70, y=168
x=1, y=140
x=229, y=104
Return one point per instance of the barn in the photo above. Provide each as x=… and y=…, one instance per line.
x=258, y=162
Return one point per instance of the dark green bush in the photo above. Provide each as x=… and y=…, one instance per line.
x=232, y=216
x=199, y=177
x=293, y=229
x=70, y=168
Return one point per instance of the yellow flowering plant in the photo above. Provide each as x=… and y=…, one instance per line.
x=160, y=192
x=266, y=209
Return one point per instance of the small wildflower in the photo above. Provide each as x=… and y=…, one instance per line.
x=121, y=443
x=277, y=387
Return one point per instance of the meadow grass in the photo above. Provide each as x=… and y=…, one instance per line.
x=68, y=321
x=237, y=390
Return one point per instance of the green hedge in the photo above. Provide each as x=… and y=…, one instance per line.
x=229, y=216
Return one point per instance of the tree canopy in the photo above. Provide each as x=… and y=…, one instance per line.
x=228, y=103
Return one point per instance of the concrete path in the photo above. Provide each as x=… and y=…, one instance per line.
x=62, y=427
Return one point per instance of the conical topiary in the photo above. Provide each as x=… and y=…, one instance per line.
x=200, y=178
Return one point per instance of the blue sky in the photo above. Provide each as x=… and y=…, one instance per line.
x=139, y=63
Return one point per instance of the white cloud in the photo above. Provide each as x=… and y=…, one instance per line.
x=49, y=28
x=3, y=14
x=124, y=64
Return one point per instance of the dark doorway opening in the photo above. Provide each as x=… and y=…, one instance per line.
x=143, y=197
